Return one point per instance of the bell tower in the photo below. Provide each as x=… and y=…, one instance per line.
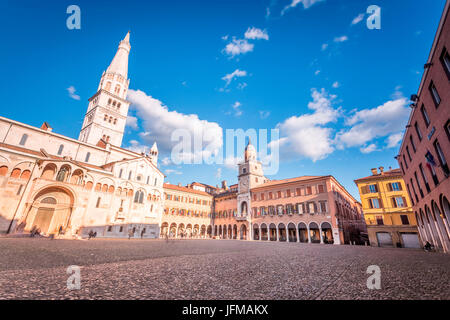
x=108, y=109
x=250, y=175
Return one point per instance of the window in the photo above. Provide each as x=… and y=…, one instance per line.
x=374, y=203
x=321, y=188
x=434, y=94
x=380, y=220
x=425, y=117
x=404, y=218
x=278, y=194
x=311, y=207
x=120, y=173
x=373, y=188
x=414, y=189
x=419, y=133
x=262, y=196
x=129, y=175
x=412, y=143
x=441, y=157
x=88, y=155
x=418, y=184
x=398, y=202
x=447, y=128
x=288, y=193
x=298, y=193
x=308, y=191
x=395, y=186
x=409, y=154
x=410, y=194
x=404, y=160
x=60, y=150
x=98, y=202
x=23, y=140
x=445, y=60
x=109, y=229
x=424, y=177
x=323, y=206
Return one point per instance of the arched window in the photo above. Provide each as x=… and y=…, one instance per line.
x=109, y=101
x=141, y=197
x=108, y=86
x=3, y=171
x=129, y=175
x=115, y=121
x=23, y=140
x=105, y=118
x=117, y=89
x=88, y=155
x=49, y=200
x=136, y=196
x=60, y=150
x=118, y=105
x=62, y=174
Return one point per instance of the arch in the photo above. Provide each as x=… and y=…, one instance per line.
x=164, y=229
x=243, y=232
x=230, y=232
x=264, y=232
x=173, y=230
x=432, y=226
x=26, y=174
x=314, y=232
x=292, y=232
x=282, y=232
x=89, y=185
x=445, y=207
x=235, y=231
x=63, y=173
x=244, y=208
x=440, y=225
x=51, y=210
x=273, y=232
x=189, y=230
x=256, y=235
x=220, y=231
x=77, y=177
x=3, y=171
x=203, y=231
x=303, y=232
x=16, y=173
x=181, y=230
x=327, y=232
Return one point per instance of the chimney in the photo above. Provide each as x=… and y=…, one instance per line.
x=374, y=171
x=179, y=184
x=45, y=126
x=224, y=185
x=381, y=170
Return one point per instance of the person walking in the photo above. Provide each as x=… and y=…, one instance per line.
x=130, y=234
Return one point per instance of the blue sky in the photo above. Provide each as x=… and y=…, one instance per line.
x=335, y=89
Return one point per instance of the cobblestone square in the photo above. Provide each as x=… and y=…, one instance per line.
x=216, y=270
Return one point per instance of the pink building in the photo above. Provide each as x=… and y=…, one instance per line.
x=425, y=148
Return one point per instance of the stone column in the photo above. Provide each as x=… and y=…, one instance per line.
x=309, y=236
x=320, y=234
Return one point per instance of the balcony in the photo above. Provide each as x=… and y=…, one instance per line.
x=241, y=218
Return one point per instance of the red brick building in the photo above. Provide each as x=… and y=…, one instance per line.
x=425, y=150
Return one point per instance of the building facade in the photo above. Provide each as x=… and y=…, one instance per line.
x=388, y=210
x=425, y=148
x=59, y=185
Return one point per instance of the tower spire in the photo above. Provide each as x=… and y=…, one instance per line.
x=119, y=64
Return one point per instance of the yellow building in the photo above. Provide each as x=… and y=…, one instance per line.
x=388, y=210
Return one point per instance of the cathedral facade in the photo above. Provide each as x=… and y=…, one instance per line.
x=59, y=186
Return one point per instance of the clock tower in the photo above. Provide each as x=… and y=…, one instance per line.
x=250, y=175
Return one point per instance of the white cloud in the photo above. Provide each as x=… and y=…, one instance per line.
x=173, y=171
x=294, y=3
x=219, y=173
x=264, y=114
x=71, y=90
x=340, y=39
x=369, y=124
x=225, y=38
x=238, y=46
x=255, y=33
x=357, y=19
x=236, y=107
x=159, y=123
x=132, y=122
x=394, y=140
x=317, y=72
x=336, y=84
x=306, y=135
x=324, y=46
x=235, y=74
x=368, y=149
x=242, y=85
